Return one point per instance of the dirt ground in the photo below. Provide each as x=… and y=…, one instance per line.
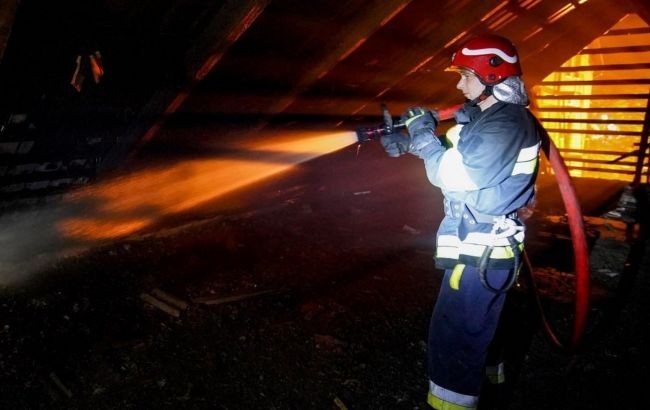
x=314, y=292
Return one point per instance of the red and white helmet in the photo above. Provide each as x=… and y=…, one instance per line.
x=492, y=58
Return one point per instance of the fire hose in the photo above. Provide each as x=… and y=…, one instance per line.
x=574, y=218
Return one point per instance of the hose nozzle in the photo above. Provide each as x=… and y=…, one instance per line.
x=365, y=134
x=389, y=126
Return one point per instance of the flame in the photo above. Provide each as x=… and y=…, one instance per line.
x=592, y=107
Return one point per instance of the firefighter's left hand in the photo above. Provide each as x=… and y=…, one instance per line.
x=421, y=124
x=395, y=144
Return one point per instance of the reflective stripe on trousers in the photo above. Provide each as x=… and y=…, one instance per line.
x=443, y=399
x=462, y=326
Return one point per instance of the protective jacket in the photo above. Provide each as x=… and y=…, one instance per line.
x=488, y=173
x=486, y=176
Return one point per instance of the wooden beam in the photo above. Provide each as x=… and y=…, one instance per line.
x=599, y=161
x=592, y=97
x=227, y=26
x=615, y=50
x=588, y=110
x=631, y=81
x=643, y=145
x=544, y=52
x=607, y=170
x=591, y=121
x=592, y=151
x=455, y=26
x=594, y=132
x=640, y=7
x=605, y=67
x=8, y=10
x=628, y=31
x=352, y=36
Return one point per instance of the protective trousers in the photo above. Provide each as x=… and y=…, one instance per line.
x=463, y=324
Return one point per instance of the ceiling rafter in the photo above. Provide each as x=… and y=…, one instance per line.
x=360, y=29
x=284, y=61
x=534, y=14
x=227, y=26
x=640, y=7
x=553, y=47
x=7, y=16
x=450, y=30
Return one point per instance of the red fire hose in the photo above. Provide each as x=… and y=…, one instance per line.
x=578, y=238
x=448, y=113
x=580, y=249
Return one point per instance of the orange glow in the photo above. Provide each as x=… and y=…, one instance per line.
x=130, y=203
x=89, y=229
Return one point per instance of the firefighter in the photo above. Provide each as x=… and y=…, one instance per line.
x=486, y=170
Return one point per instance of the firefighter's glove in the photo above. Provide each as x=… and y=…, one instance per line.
x=395, y=144
x=421, y=124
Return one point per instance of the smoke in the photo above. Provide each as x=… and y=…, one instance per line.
x=30, y=242
x=35, y=240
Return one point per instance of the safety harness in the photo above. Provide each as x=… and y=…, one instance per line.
x=504, y=227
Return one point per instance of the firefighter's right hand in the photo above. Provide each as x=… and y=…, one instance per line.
x=418, y=119
x=421, y=124
x=395, y=144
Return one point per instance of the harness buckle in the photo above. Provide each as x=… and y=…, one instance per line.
x=504, y=227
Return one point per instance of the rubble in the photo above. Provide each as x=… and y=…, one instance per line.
x=349, y=321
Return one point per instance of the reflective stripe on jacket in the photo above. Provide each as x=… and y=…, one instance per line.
x=476, y=237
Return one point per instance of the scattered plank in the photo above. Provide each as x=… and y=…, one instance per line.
x=170, y=310
x=219, y=300
x=59, y=384
x=339, y=403
x=170, y=299
x=411, y=230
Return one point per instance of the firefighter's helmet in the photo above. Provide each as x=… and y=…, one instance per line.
x=491, y=58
